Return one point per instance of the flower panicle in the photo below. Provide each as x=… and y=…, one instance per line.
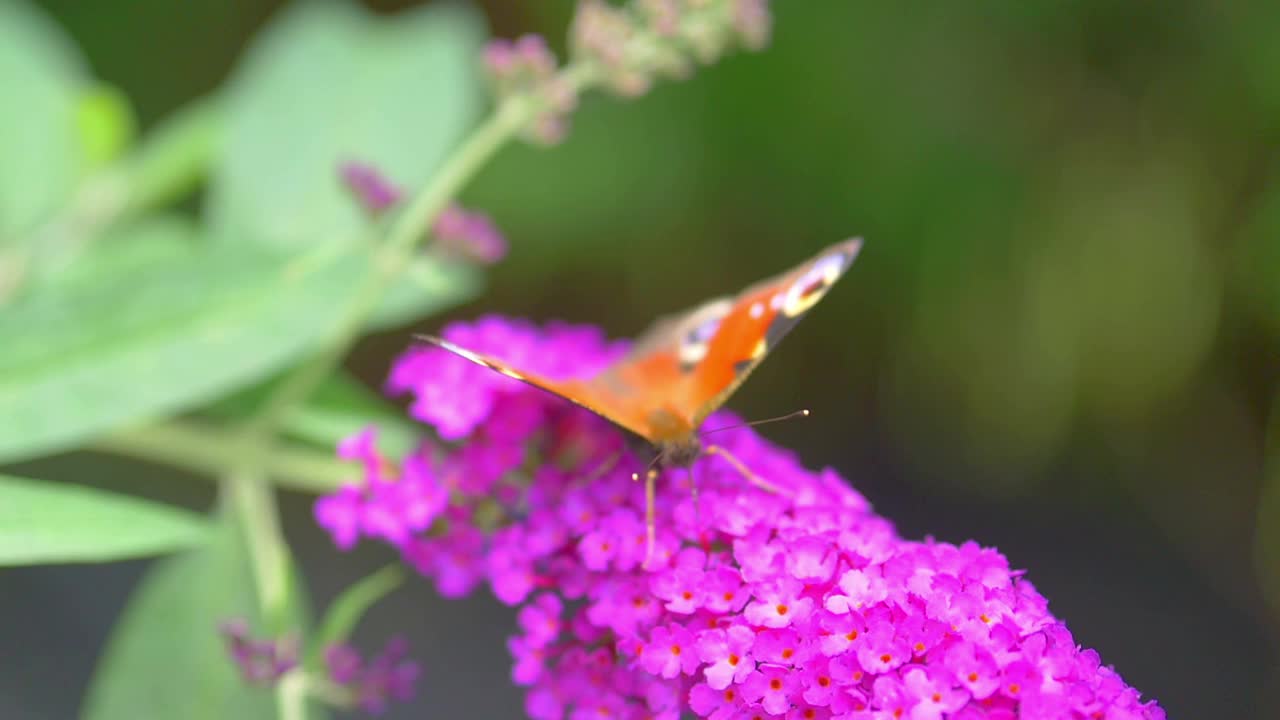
x=625, y=48
x=368, y=685
x=527, y=67
x=637, y=43
x=798, y=603
x=374, y=683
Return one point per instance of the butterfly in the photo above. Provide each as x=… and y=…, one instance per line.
x=687, y=365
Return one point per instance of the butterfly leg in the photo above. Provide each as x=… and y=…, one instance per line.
x=650, y=522
x=600, y=470
x=693, y=490
x=743, y=470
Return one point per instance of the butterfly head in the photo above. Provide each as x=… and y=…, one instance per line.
x=674, y=440
x=681, y=452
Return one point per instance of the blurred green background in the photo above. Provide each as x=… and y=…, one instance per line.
x=1062, y=338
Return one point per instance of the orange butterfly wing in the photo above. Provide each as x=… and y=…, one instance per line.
x=691, y=364
x=686, y=366
x=596, y=397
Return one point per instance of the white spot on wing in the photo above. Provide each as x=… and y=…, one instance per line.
x=757, y=309
x=811, y=286
x=697, y=331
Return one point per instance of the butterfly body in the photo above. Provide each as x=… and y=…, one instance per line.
x=687, y=365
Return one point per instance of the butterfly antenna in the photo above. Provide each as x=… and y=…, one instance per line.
x=804, y=412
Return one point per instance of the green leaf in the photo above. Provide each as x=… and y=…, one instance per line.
x=49, y=522
x=165, y=657
x=328, y=83
x=105, y=123
x=340, y=407
x=347, y=609
x=41, y=79
x=154, y=322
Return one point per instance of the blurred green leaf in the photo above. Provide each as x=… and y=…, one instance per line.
x=49, y=522
x=151, y=327
x=165, y=657
x=105, y=123
x=347, y=609
x=339, y=408
x=329, y=83
x=41, y=79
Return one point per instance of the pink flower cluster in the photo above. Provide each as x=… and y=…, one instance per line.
x=799, y=603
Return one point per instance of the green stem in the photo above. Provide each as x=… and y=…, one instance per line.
x=410, y=227
x=291, y=696
x=254, y=499
x=255, y=504
x=207, y=450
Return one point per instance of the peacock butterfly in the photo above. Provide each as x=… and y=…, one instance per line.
x=687, y=365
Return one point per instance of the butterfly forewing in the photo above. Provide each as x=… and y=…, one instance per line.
x=687, y=365
x=593, y=396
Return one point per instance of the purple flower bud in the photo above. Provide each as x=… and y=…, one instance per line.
x=519, y=64
x=470, y=234
x=663, y=16
x=533, y=52
x=499, y=58
x=752, y=22
x=261, y=662
x=368, y=185
x=601, y=31
x=388, y=676
x=795, y=602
